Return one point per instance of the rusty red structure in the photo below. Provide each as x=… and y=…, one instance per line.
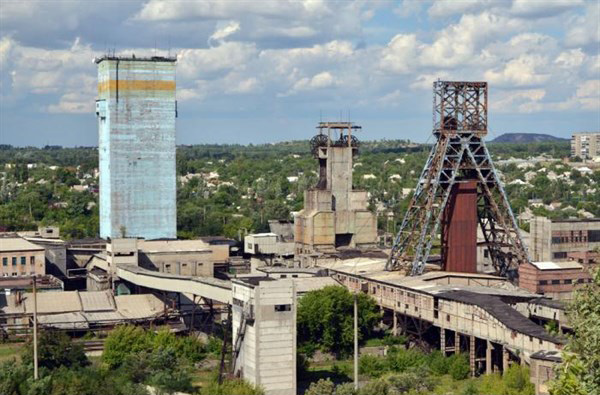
x=459, y=229
x=459, y=190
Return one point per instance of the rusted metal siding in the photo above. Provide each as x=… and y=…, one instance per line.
x=459, y=234
x=136, y=120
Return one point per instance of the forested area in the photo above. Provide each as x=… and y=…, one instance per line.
x=233, y=189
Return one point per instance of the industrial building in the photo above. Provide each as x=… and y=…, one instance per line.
x=74, y=310
x=557, y=280
x=585, y=145
x=21, y=258
x=136, y=111
x=335, y=215
x=566, y=239
x=264, y=333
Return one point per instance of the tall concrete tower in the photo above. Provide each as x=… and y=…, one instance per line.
x=335, y=216
x=136, y=112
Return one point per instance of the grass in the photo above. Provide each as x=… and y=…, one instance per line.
x=10, y=350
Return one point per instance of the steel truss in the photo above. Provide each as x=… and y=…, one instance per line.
x=459, y=154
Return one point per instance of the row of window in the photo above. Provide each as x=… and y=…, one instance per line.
x=15, y=274
x=14, y=260
x=567, y=281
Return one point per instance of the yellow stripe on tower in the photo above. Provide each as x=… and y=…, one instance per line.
x=136, y=85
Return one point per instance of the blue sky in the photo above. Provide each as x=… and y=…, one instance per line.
x=265, y=71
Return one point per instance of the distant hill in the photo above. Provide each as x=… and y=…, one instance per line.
x=525, y=138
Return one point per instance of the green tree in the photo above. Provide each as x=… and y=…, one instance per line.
x=579, y=372
x=325, y=319
x=55, y=349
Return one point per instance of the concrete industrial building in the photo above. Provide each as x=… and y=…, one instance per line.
x=264, y=333
x=334, y=215
x=560, y=240
x=136, y=111
x=193, y=258
x=557, y=280
x=21, y=258
x=585, y=145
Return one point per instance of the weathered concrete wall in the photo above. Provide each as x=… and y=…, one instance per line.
x=136, y=121
x=268, y=352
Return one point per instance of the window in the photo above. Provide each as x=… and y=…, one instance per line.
x=559, y=255
x=486, y=254
x=555, y=282
x=406, y=305
x=284, y=276
x=568, y=281
x=32, y=260
x=294, y=276
x=543, y=282
x=435, y=314
x=23, y=260
x=14, y=261
x=283, y=307
x=448, y=317
x=4, y=261
x=580, y=281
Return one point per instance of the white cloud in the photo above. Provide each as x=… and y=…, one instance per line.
x=193, y=62
x=461, y=43
x=445, y=8
x=531, y=8
x=526, y=70
x=400, y=55
x=570, y=59
x=224, y=32
x=523, y=101
x=585, y=30
x=317, y=81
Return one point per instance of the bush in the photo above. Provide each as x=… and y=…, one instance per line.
x=400, y=359
x=516, y=381
x=371, y=365
x=321, y=387
x=130, y=340
x=55, y=349
x=438, y=363
x=459, y=366
x=345, y=389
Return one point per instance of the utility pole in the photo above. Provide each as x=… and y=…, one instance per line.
x=35, y=351
x=356, y=341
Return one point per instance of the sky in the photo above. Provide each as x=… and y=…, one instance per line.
x=265, y=71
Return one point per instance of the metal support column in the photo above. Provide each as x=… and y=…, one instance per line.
x=456, y=342
x=488, y=357
x=443, y=340
x=505, y=359
x=395, y=323
x=472, y=354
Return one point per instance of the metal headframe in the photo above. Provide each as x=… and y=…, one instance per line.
x=459, y=124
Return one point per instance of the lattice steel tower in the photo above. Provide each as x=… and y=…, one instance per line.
x=458, y=190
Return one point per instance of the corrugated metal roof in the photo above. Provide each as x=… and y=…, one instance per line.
x=308, y=284
x=53, y=302
x=557, y=265
x=96, y=301
x=502, y=312
x=139, y=306
x=64, y=321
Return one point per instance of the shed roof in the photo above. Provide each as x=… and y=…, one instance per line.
x=557, y=265
x=18, y=244
x=503, y=312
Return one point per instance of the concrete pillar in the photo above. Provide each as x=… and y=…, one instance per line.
x=488, y=357
x=505, y=359
x=395, y=325
x=472, y=354
x=443, y=341
x=456, y=342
